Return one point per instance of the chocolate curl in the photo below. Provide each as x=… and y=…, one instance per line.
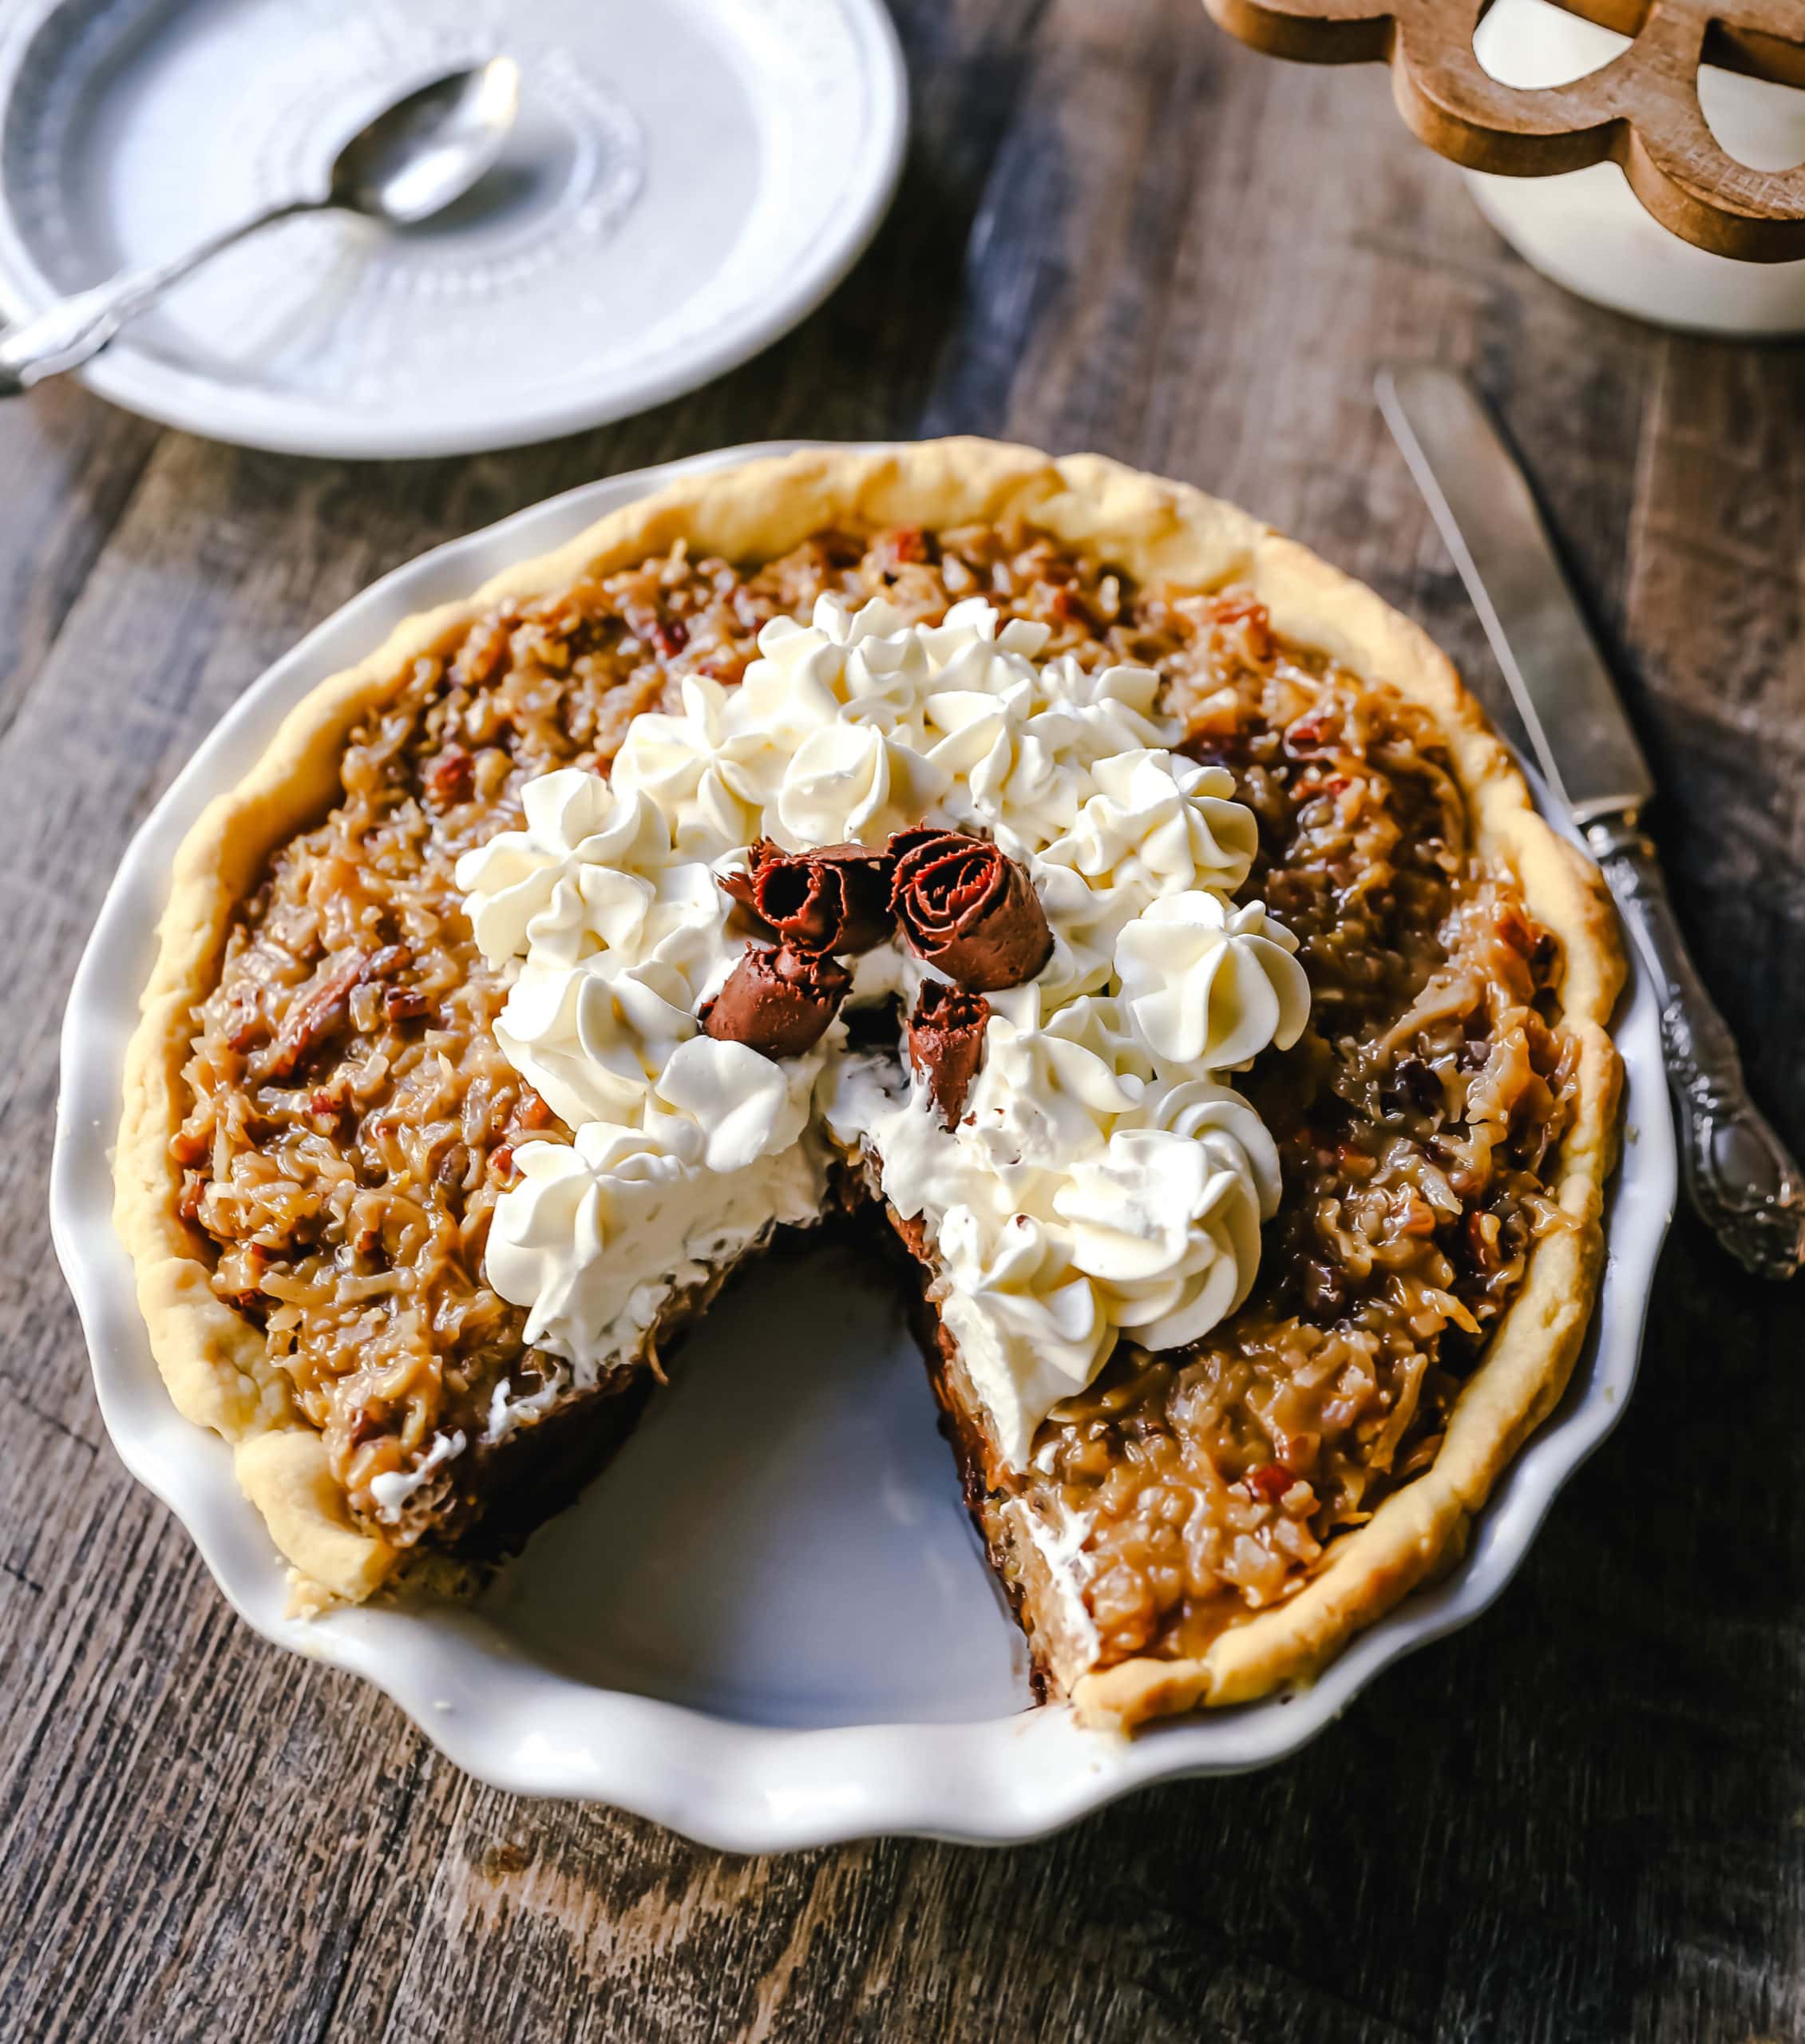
x=968, y=910
x=946, y=1042
x=832, y=898
x=779, y=1001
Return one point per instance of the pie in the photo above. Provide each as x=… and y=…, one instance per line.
x=1072, y=883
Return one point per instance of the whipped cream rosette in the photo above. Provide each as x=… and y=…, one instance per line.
x=1073, y=990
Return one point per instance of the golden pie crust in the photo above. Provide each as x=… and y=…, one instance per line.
x=215, y=1363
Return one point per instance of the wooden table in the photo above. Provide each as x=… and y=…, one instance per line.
x=1584, y=1817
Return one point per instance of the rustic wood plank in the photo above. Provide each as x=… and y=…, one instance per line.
x=70, y=464
x=1584, y=1817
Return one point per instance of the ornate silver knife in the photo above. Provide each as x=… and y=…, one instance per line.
x=1739, y=1174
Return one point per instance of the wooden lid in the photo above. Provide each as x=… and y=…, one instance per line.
x=1641, y=110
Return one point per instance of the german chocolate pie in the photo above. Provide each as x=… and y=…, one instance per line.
x=1085, y=890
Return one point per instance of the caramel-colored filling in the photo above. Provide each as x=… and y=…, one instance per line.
x=351, y=1119
x=1415, y=1123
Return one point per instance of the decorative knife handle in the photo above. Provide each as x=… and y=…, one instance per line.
x=1739, y=1174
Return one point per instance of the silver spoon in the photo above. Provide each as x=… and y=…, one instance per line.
x=411, y=161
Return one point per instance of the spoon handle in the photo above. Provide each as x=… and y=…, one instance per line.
x=73, y=329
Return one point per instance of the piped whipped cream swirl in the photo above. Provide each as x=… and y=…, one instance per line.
x=1104, y=1180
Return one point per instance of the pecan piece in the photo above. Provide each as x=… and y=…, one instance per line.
x=322, y=1012
x=451, y=778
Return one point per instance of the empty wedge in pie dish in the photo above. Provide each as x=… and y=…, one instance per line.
x=1084, y=897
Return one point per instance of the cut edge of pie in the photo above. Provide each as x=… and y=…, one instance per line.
x=216, y=1363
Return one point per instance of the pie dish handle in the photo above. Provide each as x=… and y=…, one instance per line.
x=1739, y=1174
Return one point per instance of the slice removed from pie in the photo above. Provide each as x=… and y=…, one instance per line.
x=1083, y=888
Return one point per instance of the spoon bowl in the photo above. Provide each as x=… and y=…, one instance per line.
x=420, y=152
x=424, y=151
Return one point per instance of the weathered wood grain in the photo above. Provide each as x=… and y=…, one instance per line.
x=1582, y=1819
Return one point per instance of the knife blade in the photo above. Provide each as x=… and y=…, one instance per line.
x=1482, y=507
x=1739, y=1174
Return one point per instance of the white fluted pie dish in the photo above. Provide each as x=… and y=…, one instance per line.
x=770, y=1627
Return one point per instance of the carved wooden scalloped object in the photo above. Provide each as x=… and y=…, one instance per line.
x=1641, y=110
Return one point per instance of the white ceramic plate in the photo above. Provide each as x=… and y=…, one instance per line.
x=688, y=179
x=769, y=1625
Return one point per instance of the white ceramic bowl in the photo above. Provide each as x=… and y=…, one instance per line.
x=769, y=1625
x=1589, y=232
